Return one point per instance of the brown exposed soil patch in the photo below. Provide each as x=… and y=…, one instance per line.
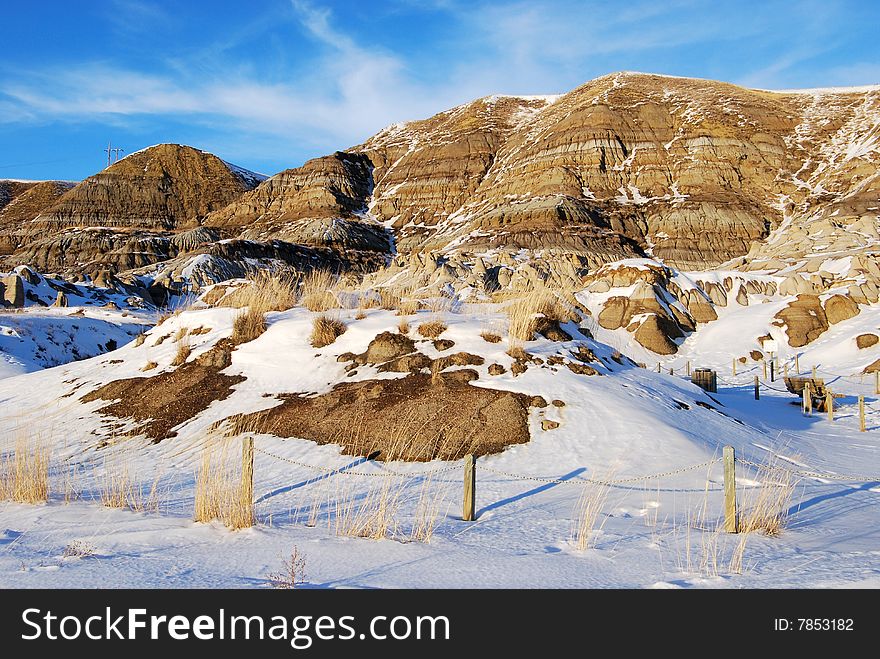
x=168, y=399
x=407, y=418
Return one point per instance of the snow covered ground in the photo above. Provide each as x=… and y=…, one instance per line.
x=656, y=436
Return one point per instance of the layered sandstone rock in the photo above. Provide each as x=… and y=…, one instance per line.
x=163, y=187
x=134, y=205
x=22, y=202
x=804, y=320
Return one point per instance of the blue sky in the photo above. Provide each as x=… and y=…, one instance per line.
x=268, y=84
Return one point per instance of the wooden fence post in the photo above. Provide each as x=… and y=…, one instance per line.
x=829, y=404
x=658, y=367
x=757, y=389
x=877, y=382
x=671, y=371
x=764, y=364
x=786, y=371
x=808, y=399
x=734, y=367
x=814, y=372
x=247, y=475
x=689, y=368
x=730, y=524
x=862, y=413
x=470, y=488
x=772, y=371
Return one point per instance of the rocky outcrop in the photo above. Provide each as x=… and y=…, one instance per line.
x=804, y=320
x=12, y=289
x=839, y=308
x=87, y=252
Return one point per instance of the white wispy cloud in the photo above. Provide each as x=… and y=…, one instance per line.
x=347, y=85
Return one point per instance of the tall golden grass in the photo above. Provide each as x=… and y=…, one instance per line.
x=248, y=324
x=588, y=513
x=119, y=486
x=24, y=472
x=316, y=291
x=265, y=291
x=524, y=312
x=184, y=349
x=765, y=508
x=325, y=330
x=221, y=491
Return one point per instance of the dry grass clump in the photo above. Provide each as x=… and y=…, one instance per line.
x=315, y=291
x=149, y=366
x=201, y=329
x=292, y=574
x=265, y=291
x=490, y=337
x=408, y=307
x=360, y=315
x=765, y=508
x=373, y=514
x=119, y=489
x=184, y=349
x=139, y=341
x=388, y=299
x=523, y=314
x=78, y=549
x=403, y=327
x=326, y=330
x=587, y=513
x=432, y=329
x=181, y=332
x=221, y=491
x=24, y=473
x=427, y=512
x=248, y=325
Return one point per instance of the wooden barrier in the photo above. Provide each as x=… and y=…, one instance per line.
x=706, y=379
x=470, y=488
x=730, y=521
x=862, y=413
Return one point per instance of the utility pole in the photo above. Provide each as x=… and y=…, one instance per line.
x=112, y=153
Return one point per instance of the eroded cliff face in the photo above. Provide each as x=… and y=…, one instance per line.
x=22, y=202
x=693, y=172
x=322, y=203
x=165, y=187
x=123, y=217
x=513, y=193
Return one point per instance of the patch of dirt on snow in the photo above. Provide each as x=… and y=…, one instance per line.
x=166, y=400
x=415, y=418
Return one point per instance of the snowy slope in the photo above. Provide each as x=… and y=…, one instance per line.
x=629, y=422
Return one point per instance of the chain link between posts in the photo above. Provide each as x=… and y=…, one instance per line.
x=538, y=479
x=606, y=482
x=329, y=471
x=812, y=474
